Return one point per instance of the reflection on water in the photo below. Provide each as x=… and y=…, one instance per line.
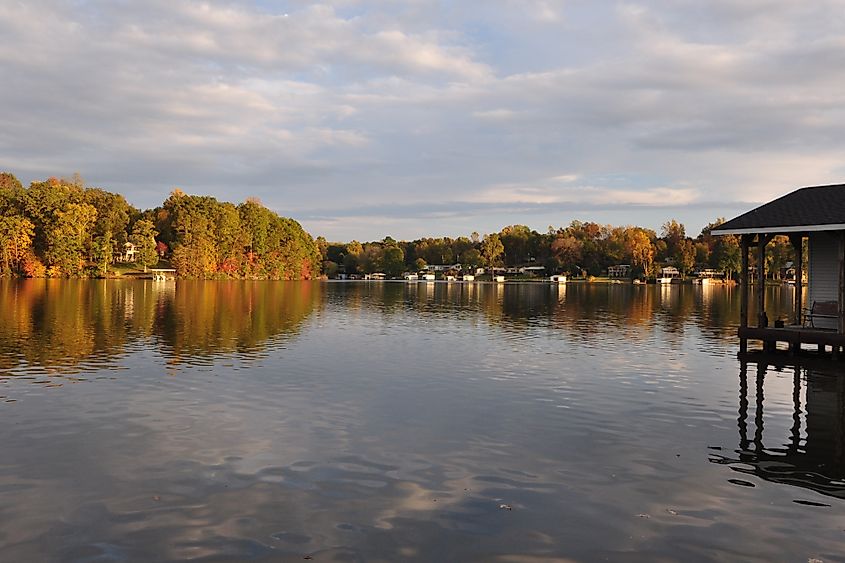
x=68, y=325
x=812, y=455
x=392, y=422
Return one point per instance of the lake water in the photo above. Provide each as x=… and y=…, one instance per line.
x=366, y=421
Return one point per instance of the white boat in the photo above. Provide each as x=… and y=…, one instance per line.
x=558, y=279
x=411, y=277
x=428, y=277
x=468, y=277
x=499, y=279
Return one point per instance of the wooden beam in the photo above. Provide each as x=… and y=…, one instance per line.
x=798, y=245
x=762, y=240
x=841, y=295
x=745, y=242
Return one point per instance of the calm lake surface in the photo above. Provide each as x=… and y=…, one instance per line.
x=366, y=421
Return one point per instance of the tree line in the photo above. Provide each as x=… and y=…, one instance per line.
x=63, y=228
x=581, y=248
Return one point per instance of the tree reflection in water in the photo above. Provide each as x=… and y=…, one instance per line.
x=816, y=462
x=66, y=326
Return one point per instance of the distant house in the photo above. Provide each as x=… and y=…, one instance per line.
x=442, y=267
x=788, y=273
x=619, y=271
x=709, y=273
x=533, y=270
x=129, y=253
x=669, y=275
x=818, y=214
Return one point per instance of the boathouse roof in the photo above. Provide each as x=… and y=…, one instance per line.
x=815, y=208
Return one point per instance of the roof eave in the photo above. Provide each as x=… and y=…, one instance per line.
x=780, y=229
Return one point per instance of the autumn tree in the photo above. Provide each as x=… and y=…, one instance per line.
x=685, y=256
x=16, y=234
x=566, y=249
x=492, y=250
x=143, y=237
x=70, y=238
x=639, y=246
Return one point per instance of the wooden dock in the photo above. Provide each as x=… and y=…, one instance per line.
x=162, y=274
x=794, y=336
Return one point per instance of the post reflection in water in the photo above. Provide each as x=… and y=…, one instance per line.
x=816, y=461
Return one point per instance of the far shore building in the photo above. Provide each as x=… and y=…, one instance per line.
x=619, y=271
x=816, y=213
x=128, y=255
x=442, y=267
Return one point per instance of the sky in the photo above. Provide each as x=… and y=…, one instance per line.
x=368, y=118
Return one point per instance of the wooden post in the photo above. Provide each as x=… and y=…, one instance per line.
x=745, y=285
x=841, y=292
x=798, y=245
x=761, y=280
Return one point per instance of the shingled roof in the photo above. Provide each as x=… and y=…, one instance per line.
x=816, y=208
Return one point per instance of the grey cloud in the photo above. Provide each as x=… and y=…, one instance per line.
x=375, y=105
x=465, y=209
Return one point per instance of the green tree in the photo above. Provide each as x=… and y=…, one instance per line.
x=470, y=259
x=113, y=214
x=685, y=256
x=727, y=254
x=393, y=261
x=102, y=253
x=143, y=237
x=492, y=250
x=69, y=240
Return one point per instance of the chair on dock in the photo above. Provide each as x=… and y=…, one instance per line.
x=820, y=310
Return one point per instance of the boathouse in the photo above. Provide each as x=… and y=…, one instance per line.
x=816, y=213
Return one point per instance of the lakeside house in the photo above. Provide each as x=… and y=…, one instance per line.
x=619, y=271
x=442, y=268
x=128, y=255
x=815, y=213
x=669, y=274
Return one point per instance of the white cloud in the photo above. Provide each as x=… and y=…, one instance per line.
x=366, y=103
